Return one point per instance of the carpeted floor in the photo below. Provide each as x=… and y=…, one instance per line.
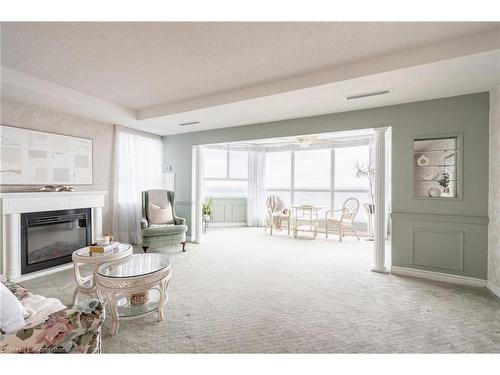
x=243, y=291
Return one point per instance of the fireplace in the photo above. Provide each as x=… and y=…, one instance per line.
x=49, y=238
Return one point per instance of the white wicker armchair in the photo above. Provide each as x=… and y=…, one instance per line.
x=277, y=214
x=345, y=223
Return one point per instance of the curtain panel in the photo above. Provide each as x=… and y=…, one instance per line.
x=256, y=200
x=137, y=167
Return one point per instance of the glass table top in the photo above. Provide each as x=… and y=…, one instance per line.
x=84, y=252
x=135, y=265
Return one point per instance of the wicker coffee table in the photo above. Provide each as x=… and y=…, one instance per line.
x=86, y=284
x=134, y=287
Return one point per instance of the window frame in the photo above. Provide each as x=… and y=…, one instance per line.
x=228, y=177
x=332, y=189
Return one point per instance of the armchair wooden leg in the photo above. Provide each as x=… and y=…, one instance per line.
x=355, y=233
x=341, y=233
x=183, y=246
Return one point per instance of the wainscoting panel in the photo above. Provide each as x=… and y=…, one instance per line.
x=437, y=248
x=450, y=244
x=230, y=211
x=219, y=215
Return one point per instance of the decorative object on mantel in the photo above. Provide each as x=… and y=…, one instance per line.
x=32, y=157
x=54, y=188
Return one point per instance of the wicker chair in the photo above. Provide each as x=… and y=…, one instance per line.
x=277, y=214
x=345, y=224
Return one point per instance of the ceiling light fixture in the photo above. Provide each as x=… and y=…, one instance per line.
x=189, y=123
x=368, y=94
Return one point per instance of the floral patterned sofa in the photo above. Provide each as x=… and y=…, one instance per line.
x=73, y=330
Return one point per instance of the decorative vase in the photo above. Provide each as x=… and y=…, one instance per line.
x=434, y=192
x=422, y=161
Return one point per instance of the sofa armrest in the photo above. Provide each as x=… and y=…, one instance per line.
x=75, y=329
x=179, y=220
x=144, y=223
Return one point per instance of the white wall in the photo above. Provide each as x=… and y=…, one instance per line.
x=28, y=116
x=494, y=191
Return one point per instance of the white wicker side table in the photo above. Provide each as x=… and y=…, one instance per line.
x=86, y=284
x=134, y=287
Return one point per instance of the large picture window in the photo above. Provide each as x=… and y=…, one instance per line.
x=226, y=172
x=324, y=177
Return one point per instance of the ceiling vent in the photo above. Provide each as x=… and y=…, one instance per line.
x=368, y=94
x=189, y=123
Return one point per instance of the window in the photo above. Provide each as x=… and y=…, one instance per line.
x=226, y=172
x=317, y=198
x=278, y=169
x=309, y=177
x=238, y=164
x=345, y=158
x=215, y=163
x=312, y=169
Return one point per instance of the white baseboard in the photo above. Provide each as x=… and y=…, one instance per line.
x=493, y=288
x=242, y=224
x=438, y=276
x=47, y=271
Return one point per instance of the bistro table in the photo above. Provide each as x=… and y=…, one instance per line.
x=308, y=220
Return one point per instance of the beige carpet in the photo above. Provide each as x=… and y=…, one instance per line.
x=243, y=291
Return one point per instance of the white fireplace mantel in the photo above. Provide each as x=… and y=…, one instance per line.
x=12, y=205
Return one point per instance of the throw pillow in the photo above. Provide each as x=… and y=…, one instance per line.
x=158, y=215
x=11, y=311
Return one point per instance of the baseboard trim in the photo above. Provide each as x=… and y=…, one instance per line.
x=493, y=288
x=48, y=271
x=438, y=276
x=219, y=225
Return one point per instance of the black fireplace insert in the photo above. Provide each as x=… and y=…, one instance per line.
x=49, y=238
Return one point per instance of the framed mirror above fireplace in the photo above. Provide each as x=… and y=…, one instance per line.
x=49, y=238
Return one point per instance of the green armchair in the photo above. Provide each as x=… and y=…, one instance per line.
x=160, y=235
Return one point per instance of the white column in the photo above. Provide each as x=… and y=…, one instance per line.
x=12, y=250
x=379, y=261
x=198, y=233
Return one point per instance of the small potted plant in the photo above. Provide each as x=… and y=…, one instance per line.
x=208, y=209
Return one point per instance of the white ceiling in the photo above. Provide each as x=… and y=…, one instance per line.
x=153, y=76
x=469, y=74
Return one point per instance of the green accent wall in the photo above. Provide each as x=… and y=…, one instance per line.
x=448, y=236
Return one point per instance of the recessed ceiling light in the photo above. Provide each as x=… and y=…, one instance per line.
x=189, y=123
x=368, y=94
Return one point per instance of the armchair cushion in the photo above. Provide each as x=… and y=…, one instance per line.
x=163, y=230
x=160, y=215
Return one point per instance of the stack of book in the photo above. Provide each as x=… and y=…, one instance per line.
x=103, y=249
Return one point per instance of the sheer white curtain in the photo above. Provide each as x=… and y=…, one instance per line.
x=256, y=211
x=138, y=167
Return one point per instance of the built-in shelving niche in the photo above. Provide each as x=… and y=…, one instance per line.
x=437, y=167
